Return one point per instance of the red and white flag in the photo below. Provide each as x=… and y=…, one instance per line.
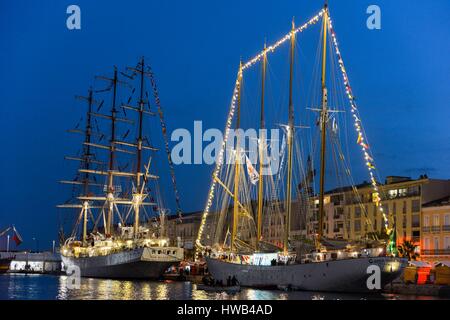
x=16, y=237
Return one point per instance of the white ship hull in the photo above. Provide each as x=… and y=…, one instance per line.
x=346, y=275
x=140, y=263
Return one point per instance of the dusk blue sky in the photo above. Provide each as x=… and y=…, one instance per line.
x=400, y=74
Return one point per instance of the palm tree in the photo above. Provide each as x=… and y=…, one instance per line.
x=408, y=250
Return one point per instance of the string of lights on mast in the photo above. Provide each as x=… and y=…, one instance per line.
x=369, y=161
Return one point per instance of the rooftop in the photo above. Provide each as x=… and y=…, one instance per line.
x=438, y=203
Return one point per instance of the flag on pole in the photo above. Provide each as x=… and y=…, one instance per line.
x=252, y=173
x=16, y=237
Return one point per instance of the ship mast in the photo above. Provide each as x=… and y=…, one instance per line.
x=324, y=119
x=137, y=197
x=140, y=175
x=87, y=140
x=262, y=142
x=87, y=158
x=290, y=137
x=237, y=164
x=110, y=191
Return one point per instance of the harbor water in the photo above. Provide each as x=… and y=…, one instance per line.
x=47, y=287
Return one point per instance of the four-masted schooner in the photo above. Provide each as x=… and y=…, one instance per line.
x=351, y=269
x=137, y=245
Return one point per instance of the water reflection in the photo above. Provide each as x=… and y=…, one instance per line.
x=50, y=288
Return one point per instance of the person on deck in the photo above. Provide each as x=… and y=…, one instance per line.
x=234, y=281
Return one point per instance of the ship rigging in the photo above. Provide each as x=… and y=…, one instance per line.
x=121, y=220
x=249, y=253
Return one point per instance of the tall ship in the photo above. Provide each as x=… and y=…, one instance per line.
x=246, y=196
x=119, y=229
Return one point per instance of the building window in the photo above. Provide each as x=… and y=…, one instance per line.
x=404, y=207
x=436, y=243
x=357, y=212
x=357, y=225
x=394, y=208
x=447, y=242
x=402, y=192
x=416, y=221
x=436, y=220
x=392, y=194
x=426, y=244
x=415, y=206
x=447, y=220
x=426, y=221
x=414, y=191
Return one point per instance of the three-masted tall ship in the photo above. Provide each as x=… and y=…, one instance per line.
x=119, y=230
x=242, y=203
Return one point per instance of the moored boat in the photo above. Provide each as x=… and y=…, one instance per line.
x=135, y=263
x=135, y=247
x=239, y=253
x=343, y=275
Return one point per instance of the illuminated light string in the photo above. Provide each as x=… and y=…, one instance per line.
x=245, y=66
x=219, y=160
x=286, y=38
x=361, y=141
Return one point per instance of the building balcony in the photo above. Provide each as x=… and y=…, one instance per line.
x=431, y=229
x=437, y=252
x=435, y=229
x=446, y=228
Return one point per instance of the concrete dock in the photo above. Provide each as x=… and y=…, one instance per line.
x=418, y=290
x=33, y=262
